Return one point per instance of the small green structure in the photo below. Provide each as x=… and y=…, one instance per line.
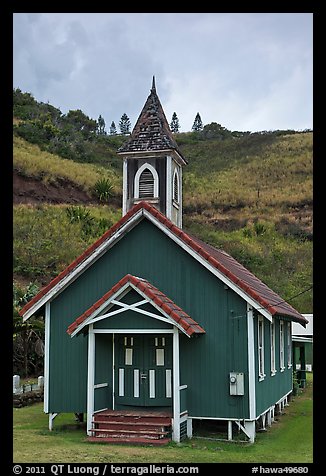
x=152, y=319
x=302, y=342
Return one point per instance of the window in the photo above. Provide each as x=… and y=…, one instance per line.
x=272, y=329
x=289, y=345
x=146, y=182
x=282, y=345
x=176, y=196
x=261, y=369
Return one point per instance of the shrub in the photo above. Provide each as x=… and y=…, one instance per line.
x=103, y=189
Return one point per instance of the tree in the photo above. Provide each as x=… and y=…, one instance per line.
x=80, y=122
x=198, y=123
x=124, y=124
x=101, y=126
x=113, y=129
x=175, y=126
x=28, y=336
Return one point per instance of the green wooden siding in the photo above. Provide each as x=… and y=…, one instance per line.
x=272, y=387
x=205, y=361
x=103, y=371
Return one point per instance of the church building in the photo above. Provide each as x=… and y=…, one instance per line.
x=151, y=329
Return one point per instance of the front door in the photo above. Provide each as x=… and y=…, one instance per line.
x=143, y=370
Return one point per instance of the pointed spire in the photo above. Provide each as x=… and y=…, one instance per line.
x=153, y=90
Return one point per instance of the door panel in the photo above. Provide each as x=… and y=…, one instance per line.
x=143, y=372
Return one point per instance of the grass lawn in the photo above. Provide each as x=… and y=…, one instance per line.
x=289, y=440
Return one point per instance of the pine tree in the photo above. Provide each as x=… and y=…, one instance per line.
x=198, y=123
x=113, y=129
x=124, y=124
x=101, y=126
x=175, y=126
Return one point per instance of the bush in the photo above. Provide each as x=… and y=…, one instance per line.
x=103, y=189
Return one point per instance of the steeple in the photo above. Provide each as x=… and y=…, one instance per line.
x=153, y=85
x=152, y=167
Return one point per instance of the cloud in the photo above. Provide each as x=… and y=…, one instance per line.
x=242, y=70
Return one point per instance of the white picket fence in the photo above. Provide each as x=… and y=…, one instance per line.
x=18, y=388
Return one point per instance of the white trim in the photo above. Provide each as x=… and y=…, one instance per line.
x=94, y=317
x=133, y=331
x=207, y=265
x=124, y=187
x=168, y=187
x=118, y=235
x=101, y=385
x=273, y=348
x=90, y=379
x=176, y=173
x=251, y=362
x=136, y=383
x=113, y=374
x=149, y=155
x=151, y=383
x=176, y=387
x=153, y=171
x=168, y=383
x=121, y=382
x=47, y=324
x=261, y=348
x=180, y=198
x=281, y=345
x=83, y=265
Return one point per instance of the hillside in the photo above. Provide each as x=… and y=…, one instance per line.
x=249, y=194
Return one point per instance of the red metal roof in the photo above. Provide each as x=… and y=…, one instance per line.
x=154, y=295
x=220, y=260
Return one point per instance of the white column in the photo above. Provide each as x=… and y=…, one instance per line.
x=176, y=387
x=90, y=378
x=46, y=357
x=168, y=199
x=113, y=368
x=230, y=430
x=251, y=363
x=124, y=187
x=180, y=199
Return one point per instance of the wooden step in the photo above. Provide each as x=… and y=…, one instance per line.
x=129, y=432
x=142, y=427
x=129, y=441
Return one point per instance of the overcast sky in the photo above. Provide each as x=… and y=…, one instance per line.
x=245, y=71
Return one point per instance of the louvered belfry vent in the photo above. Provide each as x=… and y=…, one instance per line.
x=146, y=184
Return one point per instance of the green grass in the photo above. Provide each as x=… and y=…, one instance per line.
x=289, y=440
x=29, y=160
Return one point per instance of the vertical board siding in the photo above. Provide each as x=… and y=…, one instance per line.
x=205, y=361
x=272, y=387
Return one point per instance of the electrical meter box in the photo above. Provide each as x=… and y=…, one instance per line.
x=236, y=380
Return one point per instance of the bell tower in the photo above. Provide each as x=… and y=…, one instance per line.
x=152, y=163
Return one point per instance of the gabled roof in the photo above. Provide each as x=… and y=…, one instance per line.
x=155, y=297
x=230, y=271
x=151, y=131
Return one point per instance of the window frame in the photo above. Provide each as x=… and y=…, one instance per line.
x=139, y=172
x=273, y=350
x=261, y=348
x=289, y=345
x=282, y=362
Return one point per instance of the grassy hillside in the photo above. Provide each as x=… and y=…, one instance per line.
x=250, y=195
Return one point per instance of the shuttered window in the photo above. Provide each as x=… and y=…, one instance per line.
x=146, y=184
x=176, y=188
x=261, y=363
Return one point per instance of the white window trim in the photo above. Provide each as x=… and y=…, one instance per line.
x=137, y=177
x=282, y=363
x=273, y=353
x=289, y=345
x=261, y=350
x=176, y=174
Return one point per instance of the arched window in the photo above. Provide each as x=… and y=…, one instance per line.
x=146, y=182
x=176, y=193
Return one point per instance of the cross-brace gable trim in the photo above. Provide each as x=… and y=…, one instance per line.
x=169, y=312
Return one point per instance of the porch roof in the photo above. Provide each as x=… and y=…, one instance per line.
x=154, y=296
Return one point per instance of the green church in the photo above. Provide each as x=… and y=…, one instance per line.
x=151, y=329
